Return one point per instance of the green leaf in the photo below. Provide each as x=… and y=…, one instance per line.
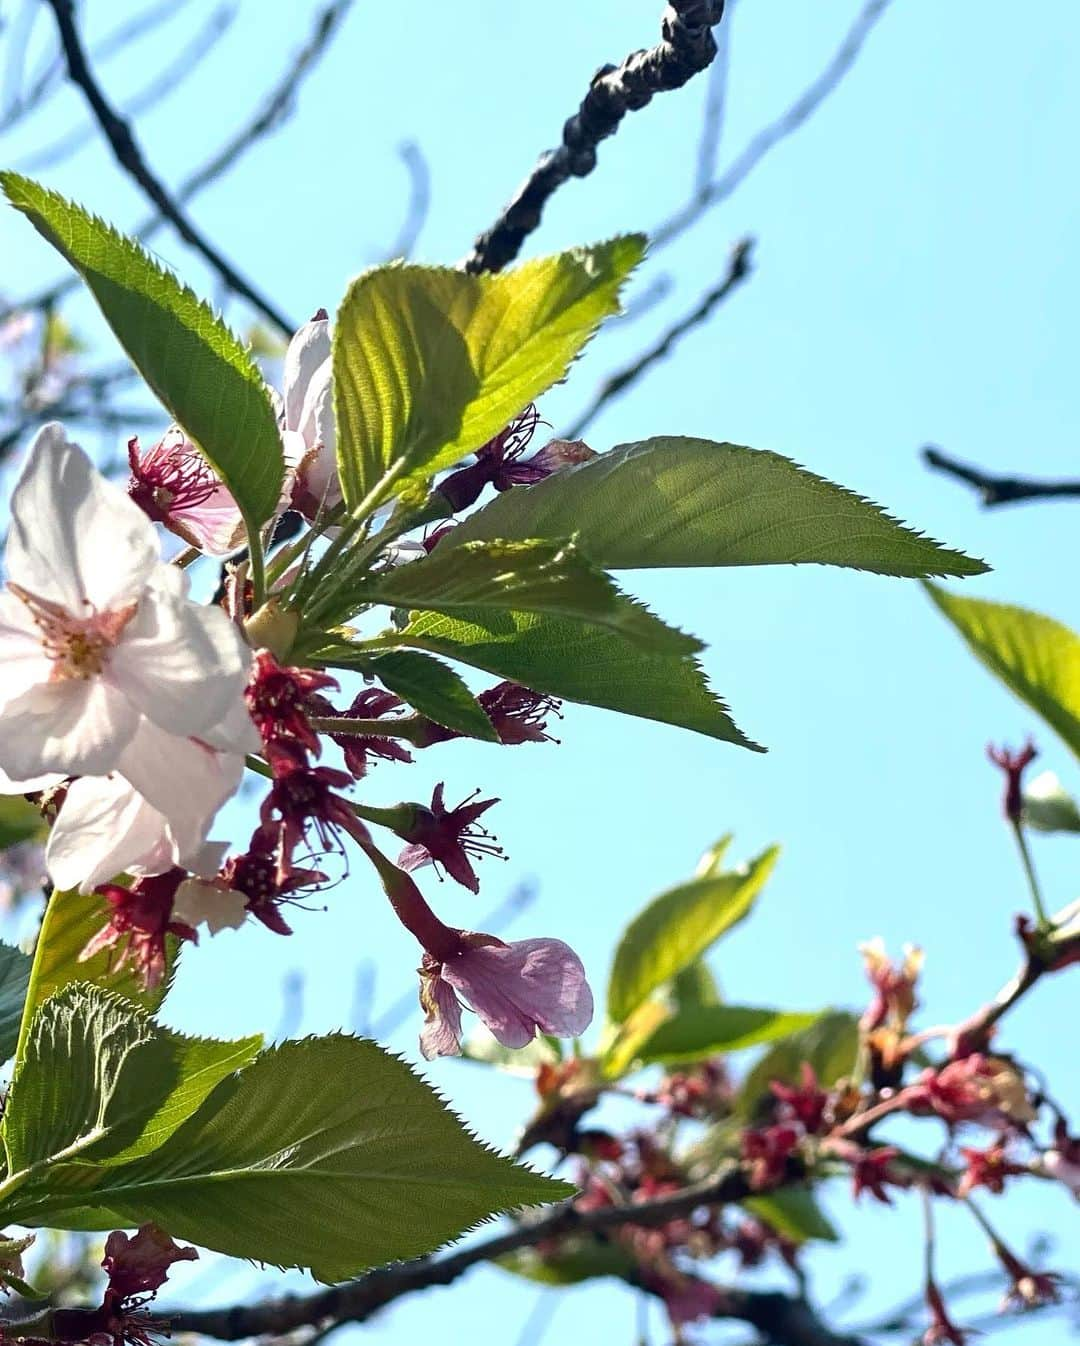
x=100, y=1077
x=530, y=576
x=14, y=980
x=19, y=821
x=1048, y=807
x=70, y=920
x=430, y=362
x=435, y=690
x=675, y=501
x=1034, y=656
x=92, y=1071
x=678, y=927
x=694, y=987
x=326, y=1154
x=707, y=1031
x=197, y=368
x=793, y=1212
x=580, y=662
x=572, y=1261
x=830, y=1046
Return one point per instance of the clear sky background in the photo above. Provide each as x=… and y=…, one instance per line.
x=917, y=280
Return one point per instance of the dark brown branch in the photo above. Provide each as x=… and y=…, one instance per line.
x=1001, y=490
x=789, y=1320
x=160, y=86
x=785, y=125
x=739, y=267
x=272, y=113
x=130, y=158
x=686, y=47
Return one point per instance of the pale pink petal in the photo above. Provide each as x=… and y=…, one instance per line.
x=517, y=988
x=182, y=665
x=184, y=780
x=236, y=731
x=215, y=526
x=104, y=828
x=23, y=661
x=76, y=539
x=76, y=727
x=307, y=351
x=441, y=1034
x=200, y=902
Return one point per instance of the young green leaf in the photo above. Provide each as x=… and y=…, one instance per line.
x=694, y=1034
x=19, y=821
x=793, y=1212
x=580, y=662
x=193, y=363
x=1048, y=807
x=529, y=576
x=1036, y=657
x=430, y=362
x=570, y=1262
x=677, y=928
x=100, y=1079
x=92, y=1071
x=326, y=1154
x=435, y=690
x=14, y=980
x=69, y=922
x=674, y=501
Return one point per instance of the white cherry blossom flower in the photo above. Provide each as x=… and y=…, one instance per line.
x=307, y=415
x=97, y=635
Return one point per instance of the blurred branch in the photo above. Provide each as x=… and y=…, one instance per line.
x=786, y=1319
x=712, y=123
x=130, y=158
x=165, y=82
x=273, y=112
x=686, y=47
x=785, y=125
x=739, y=267
x=1001, y=490
x=416, y=209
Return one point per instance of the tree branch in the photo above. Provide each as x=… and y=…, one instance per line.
x=1001, y=490
x=130, y=158
x=785, y=125
x=739, y=268
x=274, y=110
x=358, y=1300
x=686, y=47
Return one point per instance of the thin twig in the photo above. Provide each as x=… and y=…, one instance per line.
x=739, y=267
x=416, y=208
x=274, y=110
x=785, y=125
x=712, y=122
x=164, y=83
x=359, y=1300
x=1001, y=490
x=687, y=46
x=130, y=158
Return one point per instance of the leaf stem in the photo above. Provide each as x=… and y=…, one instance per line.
x=410, y=727
x=1032, y=878
x=256, y=565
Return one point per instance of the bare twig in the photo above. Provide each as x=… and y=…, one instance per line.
x=163, y=84
x=785, y=125
x=130, y=158
x=738, y=269
x=273, y=112
x=788, y=1319
x=1001, y=490
x=712, y=122
x=686, y=47
x=416, y=209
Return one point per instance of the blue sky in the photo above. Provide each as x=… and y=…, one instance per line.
x=917, y=280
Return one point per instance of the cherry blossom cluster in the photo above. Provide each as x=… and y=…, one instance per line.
x=129, y=712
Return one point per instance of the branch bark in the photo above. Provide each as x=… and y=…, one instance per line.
x=1001, y=490
x=686, y=47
